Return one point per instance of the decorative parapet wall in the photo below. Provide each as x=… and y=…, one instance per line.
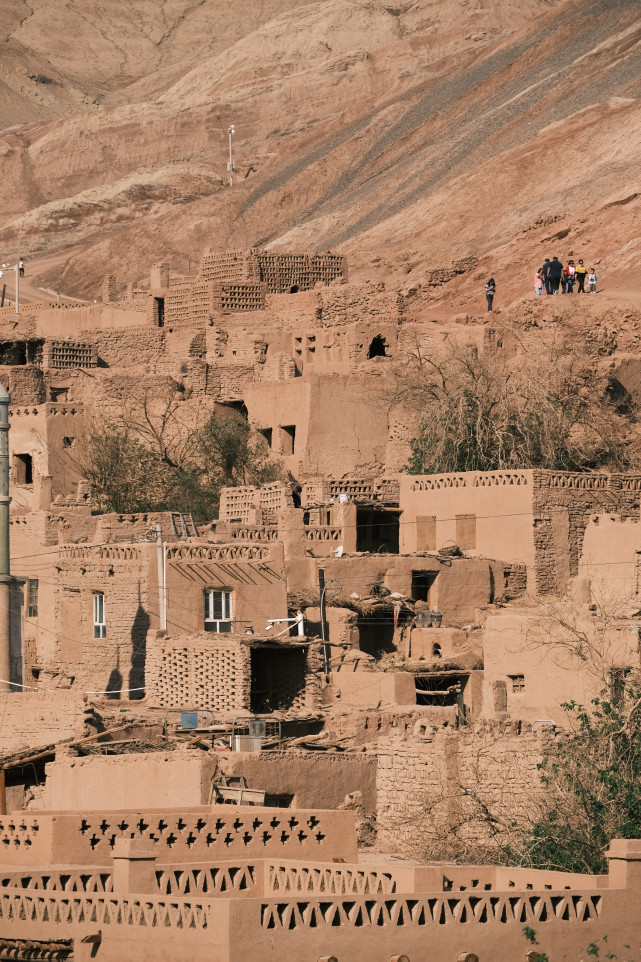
x=177, y=835
x=472, y=479
x=366, y=491
x=225, y=552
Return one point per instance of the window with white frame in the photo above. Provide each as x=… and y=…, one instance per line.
x=32, y=598
x=218, y=611
x=99, y=623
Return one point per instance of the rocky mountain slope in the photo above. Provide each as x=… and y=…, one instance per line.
x=413, y=136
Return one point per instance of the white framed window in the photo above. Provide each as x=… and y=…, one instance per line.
x=218, y=610
x=32, y=598
x=99, y=623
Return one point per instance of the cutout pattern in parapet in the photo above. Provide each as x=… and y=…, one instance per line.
x=479, y=909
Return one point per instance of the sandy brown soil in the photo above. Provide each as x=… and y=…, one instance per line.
x=409, y=136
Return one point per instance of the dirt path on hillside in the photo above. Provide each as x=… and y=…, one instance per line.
x=29, y=289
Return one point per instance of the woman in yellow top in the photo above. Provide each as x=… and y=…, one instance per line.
x=581, y=271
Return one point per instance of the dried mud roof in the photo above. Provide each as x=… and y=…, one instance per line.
x=307, y=598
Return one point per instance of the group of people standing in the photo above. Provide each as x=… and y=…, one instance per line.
x=554, y=277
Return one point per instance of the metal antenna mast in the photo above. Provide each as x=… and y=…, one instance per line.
x=230, y=165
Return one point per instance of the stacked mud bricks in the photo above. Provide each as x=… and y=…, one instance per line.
x=235, y=281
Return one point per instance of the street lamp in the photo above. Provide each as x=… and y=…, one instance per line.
x=16, y=267
x=230, y=165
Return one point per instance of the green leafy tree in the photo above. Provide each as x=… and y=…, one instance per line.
x=593, y=787
x=152, y=461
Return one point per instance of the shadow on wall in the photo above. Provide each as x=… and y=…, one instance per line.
x=139, y=631
x=138, y=657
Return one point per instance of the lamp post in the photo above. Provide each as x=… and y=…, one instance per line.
x=230, y=165
x=15, y=268
x=5, y=562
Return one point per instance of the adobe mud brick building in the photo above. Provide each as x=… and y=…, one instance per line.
x=246, y=883
x=538, y=518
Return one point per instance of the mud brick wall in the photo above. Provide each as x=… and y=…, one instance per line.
x=238, y=297
x=178, y=301
x=557, y=495
x=282, y=272
x=140, y=345
x=199, y=671
x=117, y=662
x=239, y=504
x=277, y=367
x=230, y=266
x=348, y=304
x=34, y=718
x=431, y=785
x=24, y=384
x=233, y=377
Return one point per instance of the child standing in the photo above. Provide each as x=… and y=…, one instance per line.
x=490, y=291
x=592, y=280
x=538, y=283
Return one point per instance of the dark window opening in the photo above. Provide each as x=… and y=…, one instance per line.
x=23, y=468
x=277, y=679
x=224, y=408
x=159, y=311
x=67, y=442
x=378, y=347
x=278, y=801
x=376, y=634
x=442, y=691
x=13, y=352
x=267, y=434
x=305, y=517
x=422, y=582
x=288, y=439
x=296, y=495
x=59, y=393
x=293, y=289
x=377, y=531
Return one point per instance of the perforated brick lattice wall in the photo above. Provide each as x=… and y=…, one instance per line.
x=280, y=272
x=67, y=354
x=215, y=674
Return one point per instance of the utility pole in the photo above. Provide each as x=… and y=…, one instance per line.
x=17, y=270
x=321, y=589
x=5, y=565
x=230, y=165
x=161, y=561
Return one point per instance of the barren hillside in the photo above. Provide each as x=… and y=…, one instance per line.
x=408, y=136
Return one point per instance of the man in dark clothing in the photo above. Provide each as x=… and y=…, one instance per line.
x=554, y=275
x=546, y=280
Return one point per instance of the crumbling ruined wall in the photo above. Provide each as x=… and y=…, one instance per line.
x=468, y=782
x=563, y=503
x=33, y=718
x=124, y=348
x=348, y=304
